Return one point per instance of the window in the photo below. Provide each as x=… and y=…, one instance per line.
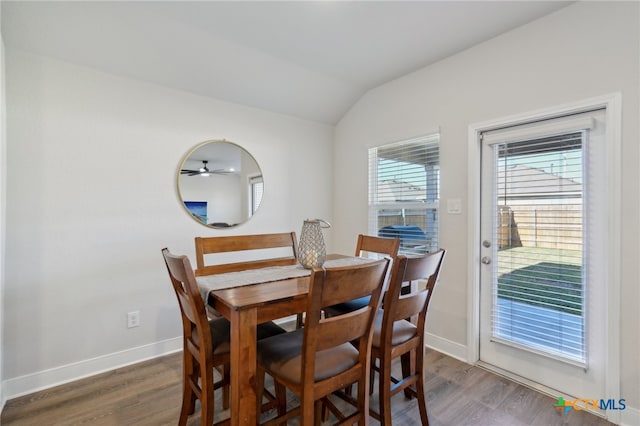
x=404, y=191
x=256, y=184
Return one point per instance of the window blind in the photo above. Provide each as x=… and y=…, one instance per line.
x=404, y=191
x=257, y=190
x=539, y=299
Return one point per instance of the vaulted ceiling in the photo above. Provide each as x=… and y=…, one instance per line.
x=311, y=59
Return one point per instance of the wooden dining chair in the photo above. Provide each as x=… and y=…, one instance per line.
x=366, y=246
x=395, y=336
x=318, y=359
x=205, y=343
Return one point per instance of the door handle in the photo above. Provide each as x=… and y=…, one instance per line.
x=486, y=260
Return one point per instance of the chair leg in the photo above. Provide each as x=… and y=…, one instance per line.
x=188, y=402
x=307, y=412
x=259, y=389
x=422, y=401
x=363, y=400
x=325, y=412
x=189, y=374
x=318, y=413
x=207, y=397
x=348, y=390
x=299, y=320
x=421, y=397
x=372, y=375
x=384, y=392
x=226, y=376
x=280, y=396
x=408, y=362
x=281, y=400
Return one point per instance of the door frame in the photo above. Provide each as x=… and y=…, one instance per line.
x=612, y=104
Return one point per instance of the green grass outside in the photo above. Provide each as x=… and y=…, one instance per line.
x=551, y=278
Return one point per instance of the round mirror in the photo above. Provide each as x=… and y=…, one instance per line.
x=220, y=184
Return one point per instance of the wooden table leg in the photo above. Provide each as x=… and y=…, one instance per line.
x=243, y=367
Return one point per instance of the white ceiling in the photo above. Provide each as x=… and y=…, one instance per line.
x=309, y=59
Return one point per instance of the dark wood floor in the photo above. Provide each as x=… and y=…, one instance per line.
x=149, y=394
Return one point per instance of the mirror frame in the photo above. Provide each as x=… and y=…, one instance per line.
x=245, y=216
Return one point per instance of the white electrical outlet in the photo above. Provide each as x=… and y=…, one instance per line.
x=133, y=319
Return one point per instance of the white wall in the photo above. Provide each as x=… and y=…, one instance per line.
x=585, y=50
x=86, y=219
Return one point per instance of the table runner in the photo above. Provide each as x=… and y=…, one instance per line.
x=208, y=283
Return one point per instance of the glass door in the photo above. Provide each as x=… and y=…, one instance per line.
x=542, y=287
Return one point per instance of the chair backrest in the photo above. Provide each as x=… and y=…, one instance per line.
x=337, y=285
x=196, y=332
x=246, y=243
x=381, y=245
x=398, y=306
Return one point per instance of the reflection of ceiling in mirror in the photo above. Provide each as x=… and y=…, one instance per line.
x=220, y=155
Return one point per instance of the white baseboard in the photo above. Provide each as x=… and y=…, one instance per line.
x=630, y=417
x=447, y=347
x=34, y=382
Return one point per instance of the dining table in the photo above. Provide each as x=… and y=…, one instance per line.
x=249, y=298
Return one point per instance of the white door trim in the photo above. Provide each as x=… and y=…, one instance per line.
x=612, y=103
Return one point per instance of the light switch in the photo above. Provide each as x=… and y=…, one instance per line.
x=454, y=206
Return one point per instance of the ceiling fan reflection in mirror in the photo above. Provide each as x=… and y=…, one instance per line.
x=204, y=171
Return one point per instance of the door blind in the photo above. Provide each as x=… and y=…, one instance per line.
x=539, y=296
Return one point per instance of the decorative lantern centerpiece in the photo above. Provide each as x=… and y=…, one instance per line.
x=312, y=251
